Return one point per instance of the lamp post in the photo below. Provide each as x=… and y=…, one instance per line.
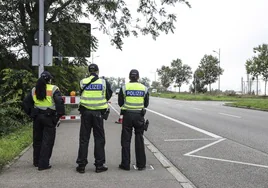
x=94, y=57
x=219, y=53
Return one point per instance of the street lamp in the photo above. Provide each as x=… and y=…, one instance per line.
x=94, y=57
x=219, y=53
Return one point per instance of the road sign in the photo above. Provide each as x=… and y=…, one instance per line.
x=46, y=37
x=48, y=56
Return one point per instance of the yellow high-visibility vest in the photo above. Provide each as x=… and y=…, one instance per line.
x=94, y=95
x=134, y=94
x=48, y=102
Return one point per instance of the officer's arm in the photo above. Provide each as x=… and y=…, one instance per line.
x=121, y=98
x=109, y=91
x=28, y=104
x=146, y=100
x=59, y=103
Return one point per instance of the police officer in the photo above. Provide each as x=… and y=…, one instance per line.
x=133, y=98
x=45, y=106
x=95, y=92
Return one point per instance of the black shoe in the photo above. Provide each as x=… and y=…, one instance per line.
x=141, y=168
x=101, y=169
x=35, y=165
x=44, y=168
x=80, y=169
x=123, y=167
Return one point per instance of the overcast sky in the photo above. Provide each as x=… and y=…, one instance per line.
x=234, y=26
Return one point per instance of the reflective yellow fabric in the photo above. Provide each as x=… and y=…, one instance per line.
x=48, y=102
x=94, y=95
x=134, y=94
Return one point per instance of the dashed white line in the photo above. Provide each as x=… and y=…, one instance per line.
x=230, y=115
x=197, y=109
x=187, y=125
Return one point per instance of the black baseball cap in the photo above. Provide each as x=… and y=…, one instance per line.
x=46, y=75
x=134, y=73
x=93, y=68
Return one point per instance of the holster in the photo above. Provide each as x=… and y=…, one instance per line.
x=146, y=125
x=143, y=112
x=106, y=113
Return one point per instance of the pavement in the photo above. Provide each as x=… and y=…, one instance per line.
x=158, y=174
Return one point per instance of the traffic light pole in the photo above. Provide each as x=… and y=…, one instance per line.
x=41, y=37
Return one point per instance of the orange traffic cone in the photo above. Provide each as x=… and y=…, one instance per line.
x=120, y=120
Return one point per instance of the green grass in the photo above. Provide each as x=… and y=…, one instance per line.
x=253, y=102
x=261, y=104
x=13, y=144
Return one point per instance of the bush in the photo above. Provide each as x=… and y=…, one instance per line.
x=11, y=118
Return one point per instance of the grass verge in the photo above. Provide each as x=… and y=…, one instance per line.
x=245, y=101
x=258, y=104
x=13, y=144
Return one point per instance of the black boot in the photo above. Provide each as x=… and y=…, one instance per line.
x=80, y=169
x=101, y=169
x=124, y=168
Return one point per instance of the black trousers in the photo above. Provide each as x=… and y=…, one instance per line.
x=130, y=121
x=44, y=133
x=91, y=120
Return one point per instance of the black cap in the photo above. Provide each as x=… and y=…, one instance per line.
x=93, y=68
x=46, y=75
x=134, y=73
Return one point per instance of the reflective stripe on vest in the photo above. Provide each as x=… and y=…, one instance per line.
x=134, y=94
x=48, y=102
x=94, y=95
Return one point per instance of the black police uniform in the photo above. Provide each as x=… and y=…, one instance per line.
x=92, y=119
x=44, y=128
x=132, y=120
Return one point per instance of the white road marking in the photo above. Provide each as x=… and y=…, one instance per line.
x=190, y=154
x=230, y=115
x=190, y=139
x=206, y=146
x=197, y=109
x=187, y=125
x=229, y=161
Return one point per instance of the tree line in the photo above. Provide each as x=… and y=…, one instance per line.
x=178, y=74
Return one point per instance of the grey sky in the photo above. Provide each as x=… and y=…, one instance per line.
x=235, y=26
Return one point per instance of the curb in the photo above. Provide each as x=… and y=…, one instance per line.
x=10, y=163
x=243, y=107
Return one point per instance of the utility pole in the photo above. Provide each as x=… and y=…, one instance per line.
x=41, y=37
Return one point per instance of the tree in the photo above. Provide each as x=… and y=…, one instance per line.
x=145, y=81
x=209, y=70
x=165, y=76
x=198, y=85
x=19, y=20
x=180, y=73
x=258, y=65
x=113, y=82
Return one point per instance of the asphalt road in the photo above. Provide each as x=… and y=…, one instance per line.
x=214, y=146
